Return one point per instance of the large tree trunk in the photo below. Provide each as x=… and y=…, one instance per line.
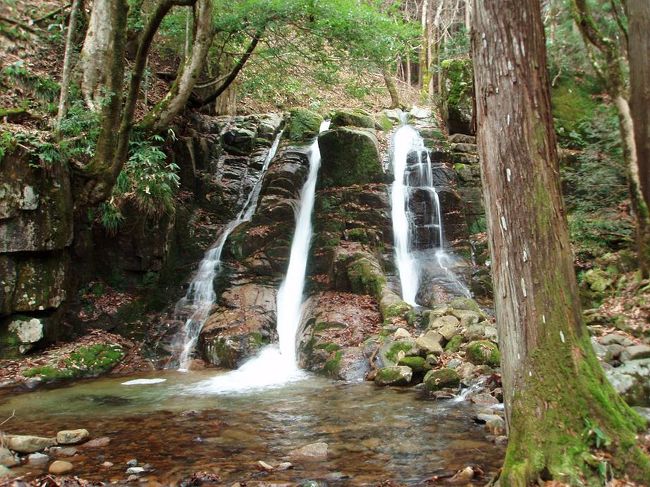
x=638, y=49
x=164, y=112
x=554, y=387
x=101, y=47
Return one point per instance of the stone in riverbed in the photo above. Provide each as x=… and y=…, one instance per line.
x=440, y=379
x=60, y=467
x=71, y=437
x=5, y=473
x=482, y=352
x=437, y=322
x=28, y=444
x=417, y=364
x=313, y=451
x=37, y=459
x=397, y=375
x=62, y=451
x=7, y=458
x=97, y=442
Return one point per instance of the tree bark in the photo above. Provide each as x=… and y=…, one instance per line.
x=100, y=49
x=67, y=64
x=639, y=46
x=553, y=384
x=392, y=89
x=175, y=101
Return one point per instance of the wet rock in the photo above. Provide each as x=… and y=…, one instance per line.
x=482, y=352
x=392, y=351
x=37, y=459
x=349, y=156
x=396, y=375
x=313, y=451
x=484, y=399
x=135, y=470
x=467, y=371
x=265, y=466
x=496, y=426
x=60, y=467
x=284, y=466
x=72, y=437
x=97, y=442
x=239, y=140
x=431, y=342
x=435, y=380
x=28, y=444
x=635, y=352
x=61, y=451
x=7, y=458
x=132, y=463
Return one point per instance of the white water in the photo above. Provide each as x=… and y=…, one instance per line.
x=200, y=296
x=406, y=140
x=276, y=365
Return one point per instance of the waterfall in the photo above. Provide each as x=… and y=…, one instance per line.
x=200, y=296
x=417, y=242
x=289, y=300
x=277, y=364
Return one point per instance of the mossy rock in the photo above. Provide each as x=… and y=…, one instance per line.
x=392, y=351
x=467, y=304
x=349, y=118
x=454, y=344
x=457, y=94
x=438, y=379
x=349, y=156
x=365, y=277
x=397, y=375
x=598, y=280
x=417, y=364
x=303, y=125
x=88, y=361
x=332, y=367
x=482, y=352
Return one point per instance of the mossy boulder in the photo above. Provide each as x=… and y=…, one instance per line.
x=303, y=125
x=482, y=352
x=349, y=156
x=396, y=375
x=391, y=305
x=457, y=95
x=467, y=304
x=90, y=361
x=454, y=344
x=391, y=352
x=22, y=334
x=438, y=379
x=352, y=118
x=417, y=364
x=366, y=277
x=598, y=280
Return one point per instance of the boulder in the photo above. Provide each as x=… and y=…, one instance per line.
x=5, y=473
x=438, y=379
x=28, y=444
x=239, y=140
x=303, y=125
x=37, y=459
x=431, y=342
x=635, y=352
x=391, y=352
x=349, y=118
x=482, y=352
x=349, y=156
x=22, y=335
x=416, y=364
x=72, y=437
x=437, y=322
x=457, y=95
x=7, y=458
x=632, y=381
x=467, y=304
x=396, y=375
x=401, y=333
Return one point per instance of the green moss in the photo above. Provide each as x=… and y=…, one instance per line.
x=327, y=325
x=458, y=73
x=328, y=347
x=48, y=372
x=441, y=378
x=357, y=235
x=418, y=364
x=394, y=375
x=398, y=347
x=482, y=352
x=572, y=105
x=454, y=344
x=303, y=125
x=333, y=366
x=365, y=277
x=131, y=312
x=84, y=362
x=356, y=118
x=385, y=123
x=396, y=310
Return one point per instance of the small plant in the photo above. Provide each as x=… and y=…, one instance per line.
x=594, y=436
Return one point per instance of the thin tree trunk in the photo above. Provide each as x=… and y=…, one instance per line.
x=175, y=101
x=554, y=387
x=67, y=64
x=392, y=89
x=424, y=48
x=638, y=49
x=235, y=71
x=408, y=68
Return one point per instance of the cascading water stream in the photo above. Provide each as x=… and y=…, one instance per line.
x=277, y=364
x=413, y=174
x=200, y=295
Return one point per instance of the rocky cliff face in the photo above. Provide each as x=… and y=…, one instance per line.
x=36, y=231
